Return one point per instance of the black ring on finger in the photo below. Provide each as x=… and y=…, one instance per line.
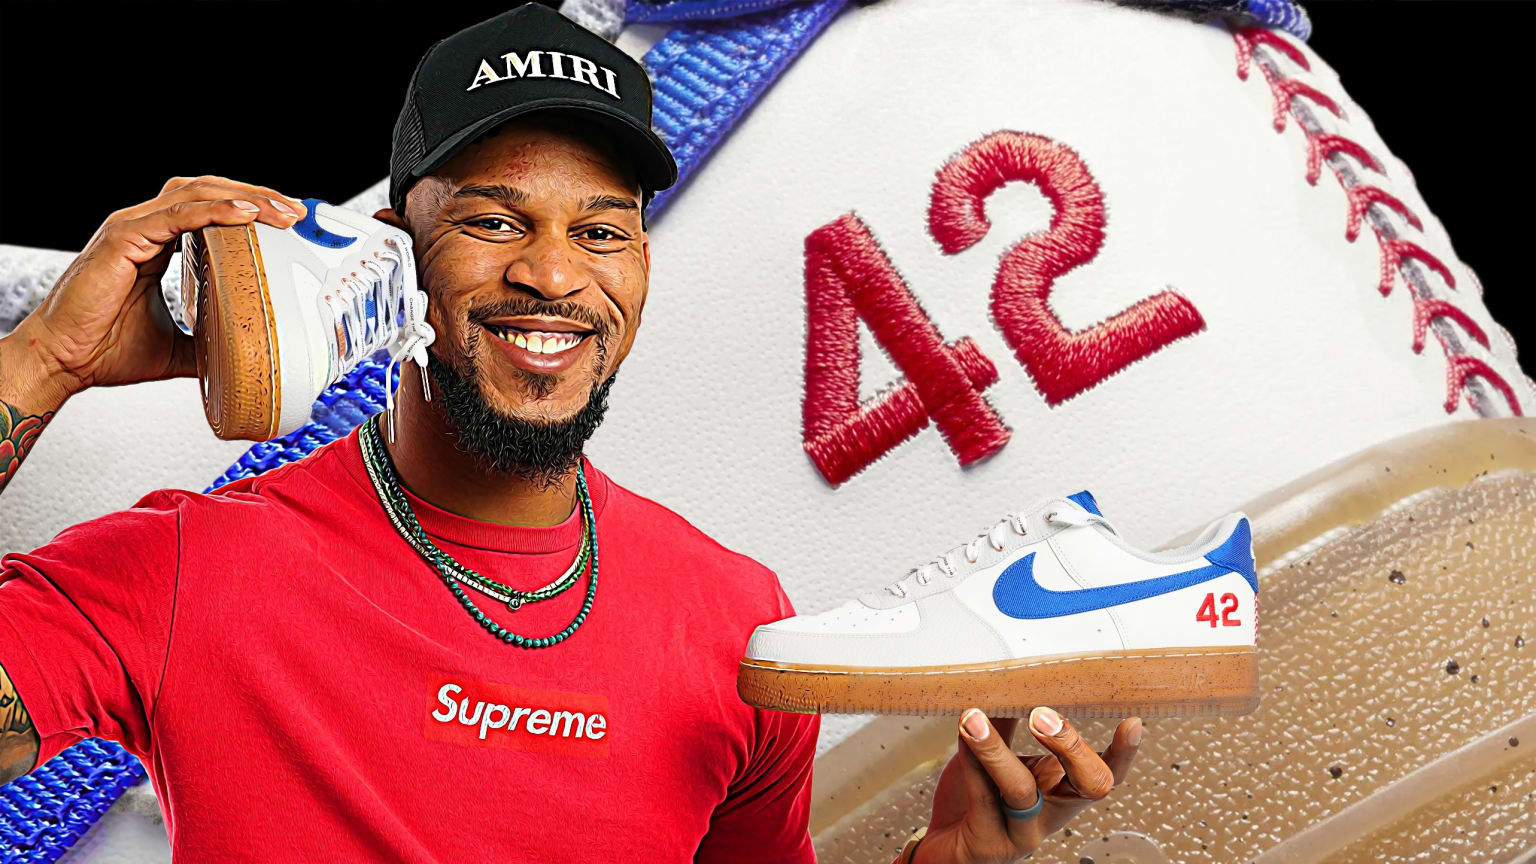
x=1027, y=813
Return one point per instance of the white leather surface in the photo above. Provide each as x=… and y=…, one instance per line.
x=949, y=634
x=854, y=616
x=1302, y=361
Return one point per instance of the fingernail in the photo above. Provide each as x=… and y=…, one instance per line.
x=246, y=206
x=1045, y=721
x=1135, y=736
x=283, y=208
x=975, y=724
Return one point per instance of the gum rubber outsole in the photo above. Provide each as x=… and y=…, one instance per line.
x=1170, y=682
x=234, y=330
x=1397, y=663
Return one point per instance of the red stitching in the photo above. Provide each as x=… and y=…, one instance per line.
x=848, y=277
x=1395, y=251
x=1320, y=147
x=1286, y=89
x=1427, y=309
x=1460, y=367
x=1060, y=362
x=1362, y=196
x=1252, y=36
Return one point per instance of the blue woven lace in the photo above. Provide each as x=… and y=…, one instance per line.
x=45, y=812
x=708, y=74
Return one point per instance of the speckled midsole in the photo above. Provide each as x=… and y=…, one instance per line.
x=1163, y=682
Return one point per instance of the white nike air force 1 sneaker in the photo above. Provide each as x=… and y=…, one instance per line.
x=281, y=314
x=1049, y=607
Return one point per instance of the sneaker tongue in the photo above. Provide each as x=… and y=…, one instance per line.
x=1080, y=509
x=1084, y=499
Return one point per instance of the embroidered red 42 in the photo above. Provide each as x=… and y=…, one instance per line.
x=848, y=277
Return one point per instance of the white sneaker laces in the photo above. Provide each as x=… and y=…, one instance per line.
x=995, y=537
x=382, y=310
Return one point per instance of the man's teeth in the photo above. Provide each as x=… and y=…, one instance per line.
x=539, y=342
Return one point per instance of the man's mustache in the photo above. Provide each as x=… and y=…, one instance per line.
x=515, y=306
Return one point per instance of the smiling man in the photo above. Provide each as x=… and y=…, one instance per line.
x=319, y=637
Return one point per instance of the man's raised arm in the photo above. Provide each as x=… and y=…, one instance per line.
x=102, y=325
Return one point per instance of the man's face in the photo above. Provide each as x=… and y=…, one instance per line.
x=530, y=247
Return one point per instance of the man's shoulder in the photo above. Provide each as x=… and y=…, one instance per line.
x=256, y=501
x=701, y=557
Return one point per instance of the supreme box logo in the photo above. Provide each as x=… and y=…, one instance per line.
x=501, y=715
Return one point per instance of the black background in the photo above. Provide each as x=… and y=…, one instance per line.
x=303, y=97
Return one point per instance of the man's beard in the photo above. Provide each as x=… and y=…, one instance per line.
x=541, y=452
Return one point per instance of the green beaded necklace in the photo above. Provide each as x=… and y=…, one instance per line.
x=387, y=485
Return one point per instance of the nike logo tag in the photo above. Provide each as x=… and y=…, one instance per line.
x=1018, y=595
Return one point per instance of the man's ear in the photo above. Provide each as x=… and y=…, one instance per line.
x=388, y=216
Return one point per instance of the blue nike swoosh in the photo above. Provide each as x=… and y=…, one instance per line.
x=309, y=228
x=1018, y=595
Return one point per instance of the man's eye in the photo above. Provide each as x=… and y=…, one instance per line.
x=493, y=223
x=600, y=235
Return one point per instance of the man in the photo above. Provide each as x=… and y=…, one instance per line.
x=280, y=635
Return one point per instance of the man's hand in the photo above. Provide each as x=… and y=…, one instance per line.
x=104, y=323
x=969, y=824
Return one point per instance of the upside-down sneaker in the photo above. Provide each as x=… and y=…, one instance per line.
x=280, y=314
x=1049, y=607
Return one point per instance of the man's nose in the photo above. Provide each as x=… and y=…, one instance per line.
x=546, y=267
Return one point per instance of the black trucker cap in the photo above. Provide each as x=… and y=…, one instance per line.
x=527, y=59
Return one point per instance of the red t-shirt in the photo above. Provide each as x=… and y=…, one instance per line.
x=303, y=687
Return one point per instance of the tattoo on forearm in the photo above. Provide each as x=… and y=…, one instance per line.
x=18, y=432
x=18, y=738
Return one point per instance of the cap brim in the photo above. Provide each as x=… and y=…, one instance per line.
x=653, y=160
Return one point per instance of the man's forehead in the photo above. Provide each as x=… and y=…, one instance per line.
x=526, y=144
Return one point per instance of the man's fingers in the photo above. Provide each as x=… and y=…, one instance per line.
x=276, y=209
x=1015, y=784
x=1122, y=748
x=1085, y=770
x=978, y=786
x=143, y=238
